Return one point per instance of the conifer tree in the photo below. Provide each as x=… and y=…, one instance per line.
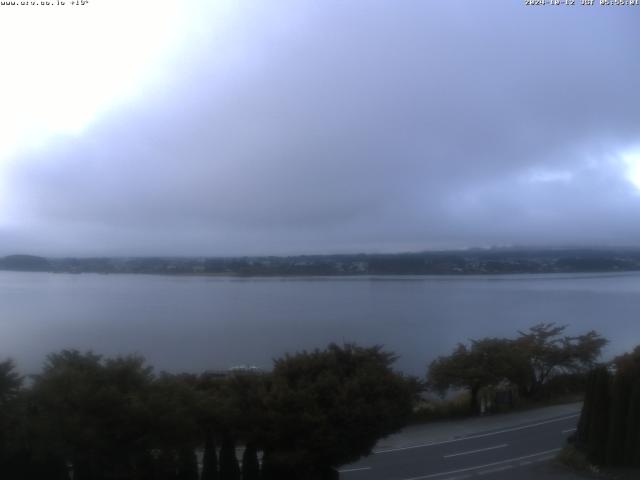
x=210, y=459
x=250, y=464
x=229, y=468
x=581, y=437
x=617, y=432
x=187, y=464
x=632, y=443
x=597, y=428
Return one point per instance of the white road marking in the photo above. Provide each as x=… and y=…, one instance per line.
x=476, y=451
x=495, y=470
x=479, y=467
x=347, y=470
x=472, y=437
x=569, y=430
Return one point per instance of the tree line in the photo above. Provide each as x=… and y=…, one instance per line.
x=472, y=261
x=536, y=360
x=609, y=426
x=89, y=417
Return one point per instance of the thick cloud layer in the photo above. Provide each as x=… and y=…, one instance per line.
x=355, y=126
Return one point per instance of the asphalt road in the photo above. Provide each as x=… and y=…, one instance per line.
x=519, y=452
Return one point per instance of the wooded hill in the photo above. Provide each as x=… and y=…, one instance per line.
x=473, y=261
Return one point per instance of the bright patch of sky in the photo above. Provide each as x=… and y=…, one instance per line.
x=66, y=66
x=631, y=163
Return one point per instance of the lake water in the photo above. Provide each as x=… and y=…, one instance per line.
x=197, y=323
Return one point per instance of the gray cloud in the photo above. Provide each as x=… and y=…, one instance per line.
x=351, y=126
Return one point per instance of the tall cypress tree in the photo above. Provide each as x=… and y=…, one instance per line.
x=250, y=464
x=210, y=459
x=617, y=432
x=167, y=465
x=599, y=417
x=609, y=427
x=229, y=468
x=632, y=443
x=187, y=464
x=582, y=432
x=267, y=472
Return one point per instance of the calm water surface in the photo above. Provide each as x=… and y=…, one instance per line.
x=197, y=323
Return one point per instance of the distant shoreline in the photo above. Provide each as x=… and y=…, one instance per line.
x=521, y=276
x=452, y=263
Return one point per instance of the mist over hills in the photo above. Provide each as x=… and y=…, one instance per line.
x=454, y=262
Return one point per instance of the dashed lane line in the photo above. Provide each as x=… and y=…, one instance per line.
x=488, y=465
x=495, y=470
x=482, y=435
x=470, y=452
x=347, y=470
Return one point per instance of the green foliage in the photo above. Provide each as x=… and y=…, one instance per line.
x=329, y=407
x=243, y=405
x=250, y=464
x=12, y=408
x=563, y=386
x=187, y=464
x=10, y=381
x=529, y=362
x=455, y=406
x=209, y=458
x=172, y=403
x=229, y=468
x=628, y=368
x=485, y=362
x=107, y=418
x=632, y=443
x=597, y=426
x=93, y=412
x=549, y=353
x=609, y=427
x=620, y=397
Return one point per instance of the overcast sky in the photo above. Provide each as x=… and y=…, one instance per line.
x=244, y=127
